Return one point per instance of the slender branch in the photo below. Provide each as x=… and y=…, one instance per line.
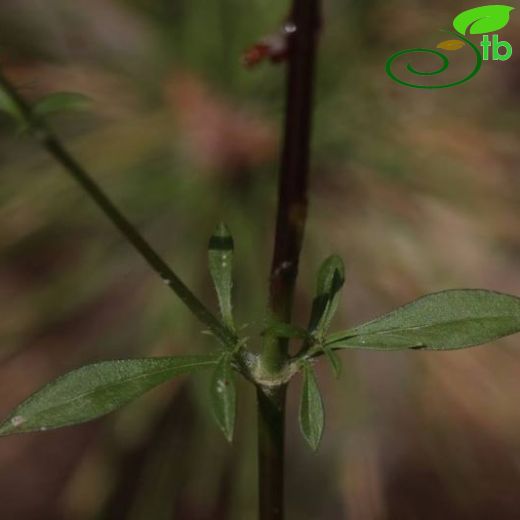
x=290, y=227
x=52, y=144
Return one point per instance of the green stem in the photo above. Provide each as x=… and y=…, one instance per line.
x=290, y=227
x=52, y=144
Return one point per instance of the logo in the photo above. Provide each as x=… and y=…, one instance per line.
x=480, y=20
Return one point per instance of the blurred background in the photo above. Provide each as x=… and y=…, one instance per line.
x=416, y=189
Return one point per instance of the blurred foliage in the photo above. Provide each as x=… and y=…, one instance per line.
x=418, y=191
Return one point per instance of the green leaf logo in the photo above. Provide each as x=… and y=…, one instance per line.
x=484, y=19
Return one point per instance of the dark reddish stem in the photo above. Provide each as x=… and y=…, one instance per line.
x=303, y=28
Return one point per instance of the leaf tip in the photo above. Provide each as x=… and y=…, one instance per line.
x=336, y=263
x=11, y=425
x=222, y=230
x=221, y=239
x=229, y=436
x=313, y=442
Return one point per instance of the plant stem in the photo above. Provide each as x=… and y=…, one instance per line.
x=53, y=145
x=290, y=227
x=271, y=434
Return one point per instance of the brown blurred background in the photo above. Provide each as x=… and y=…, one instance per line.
x=417, y=190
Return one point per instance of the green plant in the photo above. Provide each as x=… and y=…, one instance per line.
x=441, y=321
x=484, y=19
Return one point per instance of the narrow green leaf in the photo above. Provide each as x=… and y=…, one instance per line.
x=312, y=417
x=61, y=102
x=95, y=390
x=441, y=321
x=483, y=19
x=331, y=278
x=279, y=329
x=334, y=361
x=8, y=106
x=221, y=268
x=223, y=396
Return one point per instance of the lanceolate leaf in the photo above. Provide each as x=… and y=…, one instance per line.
x=440, y=321
x=61, y=102
x=334, y=360
x=95, y=390
x=312, y=417
x=221, y=269
x=223, y=396
x=8, y=106
x=484, y=19
x=331, y=278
